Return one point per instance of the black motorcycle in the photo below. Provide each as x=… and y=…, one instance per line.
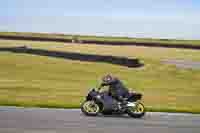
x=98, y=102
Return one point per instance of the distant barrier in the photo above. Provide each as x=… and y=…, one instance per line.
x=123, y=61
x=29, y=38
x=114, y=43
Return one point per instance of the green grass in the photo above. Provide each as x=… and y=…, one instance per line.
x=30, y=80
x=103, y=38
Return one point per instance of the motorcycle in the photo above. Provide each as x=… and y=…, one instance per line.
x=98, y=102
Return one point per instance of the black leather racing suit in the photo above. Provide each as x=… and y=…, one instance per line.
x=116, y=89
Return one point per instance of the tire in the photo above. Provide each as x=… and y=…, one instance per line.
x=90, y=108
x=107, y=113
x=137, y=112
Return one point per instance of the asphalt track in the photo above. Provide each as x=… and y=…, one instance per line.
x=183, y=63
x=32, y=120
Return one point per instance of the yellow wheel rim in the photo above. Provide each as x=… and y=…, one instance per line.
x=139, y=108
x=91, y=107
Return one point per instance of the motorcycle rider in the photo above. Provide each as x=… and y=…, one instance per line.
x=116, y=88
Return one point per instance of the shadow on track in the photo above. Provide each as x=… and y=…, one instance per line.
x=123, y=61
x=124, y=116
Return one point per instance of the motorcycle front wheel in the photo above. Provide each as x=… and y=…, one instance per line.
x=136, y=112
x=90, y=108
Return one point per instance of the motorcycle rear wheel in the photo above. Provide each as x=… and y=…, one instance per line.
x=90, y=108
x=136, y=112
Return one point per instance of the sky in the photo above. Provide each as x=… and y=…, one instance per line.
x=178, y=19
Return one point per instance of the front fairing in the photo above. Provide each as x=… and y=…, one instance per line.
x=134, y=97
